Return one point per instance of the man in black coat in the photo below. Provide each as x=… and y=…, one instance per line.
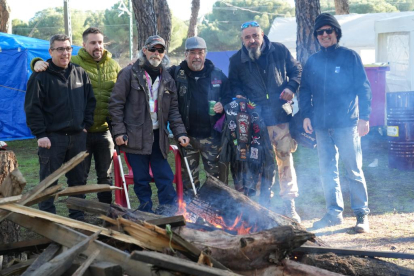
x=266, y=73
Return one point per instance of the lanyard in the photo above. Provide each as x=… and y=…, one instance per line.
x=149, y=82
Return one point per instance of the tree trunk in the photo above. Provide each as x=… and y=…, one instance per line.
x=341, y=6
x=153, y=17
x=192, y=28
x=306, y=43
x=5, y=23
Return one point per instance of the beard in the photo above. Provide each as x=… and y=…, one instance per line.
x=155, y=62
x=197, y=66
x=254, y=53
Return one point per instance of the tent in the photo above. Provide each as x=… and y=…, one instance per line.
x=16, y=52
x=358, y=32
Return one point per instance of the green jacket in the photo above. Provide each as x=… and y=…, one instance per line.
x=103, y=76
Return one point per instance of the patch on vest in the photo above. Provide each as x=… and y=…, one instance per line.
x=183, y=91
x=216, y=82
x=181, y=74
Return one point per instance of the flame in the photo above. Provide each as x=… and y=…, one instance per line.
x=182, y=210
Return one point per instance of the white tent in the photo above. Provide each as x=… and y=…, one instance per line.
x=393, y=39
x=358, y=32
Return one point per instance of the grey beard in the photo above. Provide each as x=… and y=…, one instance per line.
x=155, y=62
x=255, y=54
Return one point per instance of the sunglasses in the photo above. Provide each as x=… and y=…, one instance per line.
x=249, y=24
x=62, y=49
x=328, y=31
x=160, y=50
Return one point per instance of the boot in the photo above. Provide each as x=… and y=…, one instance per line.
x=362, y=225
x=290, y=210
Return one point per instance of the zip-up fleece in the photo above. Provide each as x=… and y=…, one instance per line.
x=56, y=104
x=335, y=90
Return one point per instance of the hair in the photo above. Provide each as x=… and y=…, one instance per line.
x=58, y=37
x=91, y=30
x=142, y=58
x=259, y=29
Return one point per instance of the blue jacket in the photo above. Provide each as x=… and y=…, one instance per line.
x=335, y=90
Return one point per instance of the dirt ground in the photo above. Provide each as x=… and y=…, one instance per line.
x=391, y=201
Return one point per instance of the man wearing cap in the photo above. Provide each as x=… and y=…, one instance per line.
x=266, y=73
x=335, y=99
x=143, y=101
x=202, y=93
x=102, y=70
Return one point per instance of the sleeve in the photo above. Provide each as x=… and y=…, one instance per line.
x=234, y=81
x=33, y=62
x=305, y=93
x=117, y=102
x=174, y=116
x=293, y=71
x=362, y=88
x=225, y=92
x=90, y=101
x=33, y=107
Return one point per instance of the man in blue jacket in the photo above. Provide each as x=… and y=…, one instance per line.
x=335, y=100
x=266, y=73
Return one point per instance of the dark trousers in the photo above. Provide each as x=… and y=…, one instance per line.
x=161, y=171
x=101, y=146
x=63, y=148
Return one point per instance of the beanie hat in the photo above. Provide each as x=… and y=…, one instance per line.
x=327, y=19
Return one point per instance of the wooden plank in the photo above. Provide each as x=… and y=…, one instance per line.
x=46, y=256
x=85, y=265
x=355, y=252
x=174, y=221
x=88, y=206
x=51, y=191
x=69, y=237
x=29, y=245
x=58, y=265
x=179, y=265
x=17, y=268
x=10, y=199
x=72, y=223
x=48, y=181
x=85, y=189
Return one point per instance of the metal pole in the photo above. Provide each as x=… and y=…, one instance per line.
x=131, y=32
x=66, y=15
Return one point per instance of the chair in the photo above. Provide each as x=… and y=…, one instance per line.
x=129, y=177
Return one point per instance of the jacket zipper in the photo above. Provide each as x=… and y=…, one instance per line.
x=324, y=91
x=264, y=85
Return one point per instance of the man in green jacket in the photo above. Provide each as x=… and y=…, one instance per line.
x=102, y=71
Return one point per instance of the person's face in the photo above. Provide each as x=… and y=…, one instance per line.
x=252, y=38
x=326, y=40
x=61, y=53
x=195, y=59
x=94, y=46
x=153, y=54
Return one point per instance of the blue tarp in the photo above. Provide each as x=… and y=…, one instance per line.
x=221, y=60
x=16, y=52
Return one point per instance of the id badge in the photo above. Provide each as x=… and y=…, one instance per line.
x=152, y=105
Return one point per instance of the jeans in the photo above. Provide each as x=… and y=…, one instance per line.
x=346, y=144
x=161, y=171
x=64, y=147
x=101, y=146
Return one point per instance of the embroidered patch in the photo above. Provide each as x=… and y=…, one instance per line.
x=254, y=153
x=234, y=104
x=183, y=91
x=216, y=81
x=232, y=125
x=181, y=74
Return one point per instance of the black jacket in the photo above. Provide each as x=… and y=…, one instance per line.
x=59, y=103
x=195, y=90
x=335, y=91
x=262, y=82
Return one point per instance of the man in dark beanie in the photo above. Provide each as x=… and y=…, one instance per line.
x=143, y=101
x=335, y=100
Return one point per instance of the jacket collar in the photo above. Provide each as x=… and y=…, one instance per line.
x=330, y=49
x=266, y=49
x=166, y=78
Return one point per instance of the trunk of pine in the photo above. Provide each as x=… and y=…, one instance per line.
x=341, y=6
x=4, y=16
x=164, y=22
x=306, y=43
x=192, y=28
x=153, y=17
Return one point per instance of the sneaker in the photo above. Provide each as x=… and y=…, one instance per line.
x=327, y=221
x=362, y=225
x=290, y=210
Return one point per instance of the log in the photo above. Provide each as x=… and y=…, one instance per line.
x=62, y=262
x=43, y=258
x=8, y=163
x=13, y=184
x=248, y=252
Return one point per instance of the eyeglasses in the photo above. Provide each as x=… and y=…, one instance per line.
x=249, y=24
x=152, y=50
x=328, y=31
x=61, y=50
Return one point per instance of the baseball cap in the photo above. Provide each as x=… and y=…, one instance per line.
x=155, y=40
x=195, y=42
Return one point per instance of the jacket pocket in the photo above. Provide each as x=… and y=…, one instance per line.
x=135, y=136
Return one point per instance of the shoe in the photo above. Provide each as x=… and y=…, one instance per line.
x=327, y=221
x=167, y=210
x=290, y=210
x=362, y=225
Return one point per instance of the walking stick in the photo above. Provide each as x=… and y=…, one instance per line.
x=184, y=155
x=121, y=168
